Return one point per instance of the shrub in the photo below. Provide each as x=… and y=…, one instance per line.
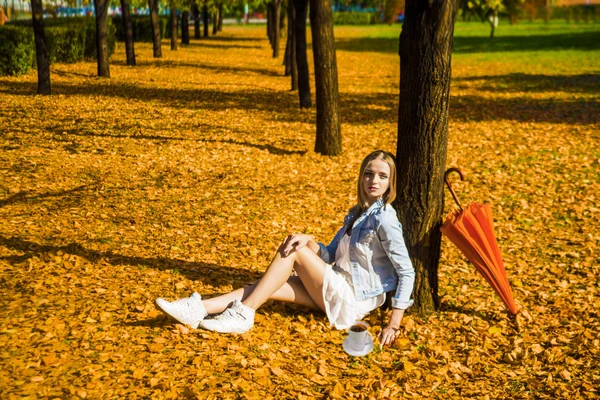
x=353, y=18
x=17, y=50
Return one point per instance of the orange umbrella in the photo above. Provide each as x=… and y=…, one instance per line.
x=472, y=231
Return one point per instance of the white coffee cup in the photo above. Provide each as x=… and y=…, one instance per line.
x=357, y=335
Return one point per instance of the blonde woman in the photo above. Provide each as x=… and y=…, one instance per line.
x=346, y=279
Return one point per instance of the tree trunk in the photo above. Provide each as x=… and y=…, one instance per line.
x=269, y=25
x=153, y=4
x=287, y=57
x=220, y=24
x=101, y=8
x=425, y=54
x=275, y=24
x=215, y=22
x=205, y=18
x=301, y=59
x=174, y=27
x=196, y=11
x=185, y=27
x=41, y=47
x=329, y=137
x=128, y=28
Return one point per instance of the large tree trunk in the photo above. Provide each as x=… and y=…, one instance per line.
x=41, y=47
x=153, y=4
x=205, y=18
x=173, y=27
x=196, y=12
x=425, y=53
x=329, y=137
x=301, y=59
x=275, y=27
x=128, y=28
x=220, y=24
x=185, y=27
x=101, y=7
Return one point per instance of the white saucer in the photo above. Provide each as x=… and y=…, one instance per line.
x=366, y=350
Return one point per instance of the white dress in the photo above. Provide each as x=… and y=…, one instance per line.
x=338, y=294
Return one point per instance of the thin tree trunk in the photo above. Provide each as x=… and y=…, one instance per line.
x=101, y=7
x=185, y=27
x=41, y=48
x=269, y=25
x=215, y=22
x=301, y=58
x=156, y=39
x=425, y=54
x=287, y=58
x=329, y=137
x=173, y=27
x=205, y=18
x=220, y=24
x=196, y=11
x=294, y=75
x=276, y=36
x=128, y=28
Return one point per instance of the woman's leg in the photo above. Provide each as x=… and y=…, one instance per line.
x=292, y=291
x=310, y=269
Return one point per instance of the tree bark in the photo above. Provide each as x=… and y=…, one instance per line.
x=101, y=7
x=128, y=28
x=329, y=137
x=41, y=47
x=275, y=24
x=425, y=55
x=196, y=11
x=185, y=27
x=301, y=58
x=205, y=18
x=287, y=57
x=153, y=4
x=270, y=24
x=220, y=24
x=173, y=27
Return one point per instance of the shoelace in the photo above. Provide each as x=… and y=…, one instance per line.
x=229, y=314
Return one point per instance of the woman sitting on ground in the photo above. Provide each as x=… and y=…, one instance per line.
x=346, y=279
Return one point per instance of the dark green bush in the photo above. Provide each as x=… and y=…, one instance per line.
x=17, y=50
x=353, y=18
x=70, y=40
x=142, y=28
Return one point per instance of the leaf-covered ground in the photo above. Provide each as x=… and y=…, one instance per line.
x=183, y=174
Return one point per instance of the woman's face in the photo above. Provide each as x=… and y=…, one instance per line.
x=376, y=180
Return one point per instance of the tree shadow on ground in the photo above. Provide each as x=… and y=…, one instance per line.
x=465, y=44
x=356, y=108
x=221, y=46
x=520, y=82
x=219, y=69
x=30, y=197
x=196, y=271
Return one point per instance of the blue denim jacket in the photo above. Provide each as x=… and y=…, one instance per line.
x=379, y=260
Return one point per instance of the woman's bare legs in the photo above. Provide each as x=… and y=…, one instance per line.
x=310, y=269
x=292, y=291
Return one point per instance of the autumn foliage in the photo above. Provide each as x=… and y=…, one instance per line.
x=185, y=172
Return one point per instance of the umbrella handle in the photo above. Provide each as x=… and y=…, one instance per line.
x=462, y=178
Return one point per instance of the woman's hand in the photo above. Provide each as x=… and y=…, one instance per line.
x=389, y=333
x=295, y=242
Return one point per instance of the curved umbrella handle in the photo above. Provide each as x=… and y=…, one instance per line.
x=462, y=178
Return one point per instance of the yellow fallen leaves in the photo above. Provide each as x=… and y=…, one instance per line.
x=183, y=174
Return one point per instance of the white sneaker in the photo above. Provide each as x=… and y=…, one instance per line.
x=188, y=310
x=236, y=319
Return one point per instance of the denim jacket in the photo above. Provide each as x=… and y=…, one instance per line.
x=379, y=260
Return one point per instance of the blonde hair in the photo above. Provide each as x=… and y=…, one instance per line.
x=388, y=197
